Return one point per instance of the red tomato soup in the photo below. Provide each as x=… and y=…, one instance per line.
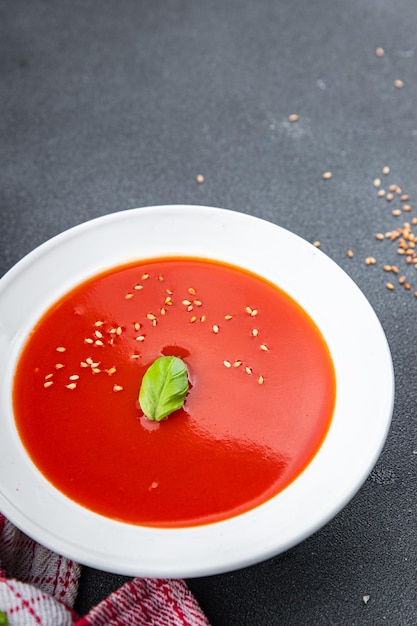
x=261, y=397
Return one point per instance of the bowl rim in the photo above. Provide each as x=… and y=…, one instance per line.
x=364, y=393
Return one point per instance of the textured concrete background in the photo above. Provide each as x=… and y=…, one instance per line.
x=112, y=105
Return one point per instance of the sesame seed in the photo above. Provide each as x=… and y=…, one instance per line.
x=162, y=311
x=406, y=207
x=203, y=318
x=227, y=364
x=389, y=197
x=168, y=301
x=293, y=117
x=215, y=328
x=326, y=175
x=264, y=347
x=135, y=356
x=98, y=323
x=117, y=388
x=370, y=260
x=138, y=287
x=377, y=182
x=200, y=179
x=191, y=291
x=254, y=313
x=61, y=349
x=145, y=276
x=128, y=296
x=380, y=52
x=111, y=370
x=98, y=334
x=389, y=286
x=169, y=291
x=248, y=309
x=398, y=83
x=386, y=170
x=396, y=212
x=349, y=253
x=190, y=308
x=261, y=380
x=197, y=303
x=394, y=269
x=48, y=376
x=254, y=332
x=88, y=340
x=59, y=366
x=381, y=193
x=387, y=268
x=248, y=370
x=74, y=377
x=405, y=197
x=136, y=325
x=379, y=236
x=99, y=343
x=186, y=302
x=401, y=280
x=161, y=278
x=96, y=370
x=71, y=386
x=193, y=319
x=140, y=338
x=393, y=187
x=48, y=383
x=89, y=360
x=151, y=316
x=228, y=317
x=237, y=363
x=316, y=244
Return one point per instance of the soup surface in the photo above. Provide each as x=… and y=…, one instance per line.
x=261, y=397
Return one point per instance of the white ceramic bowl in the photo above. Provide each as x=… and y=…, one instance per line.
x=364, y=381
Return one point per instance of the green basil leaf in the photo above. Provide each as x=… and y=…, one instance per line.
x=164, y=387
x=3, y=619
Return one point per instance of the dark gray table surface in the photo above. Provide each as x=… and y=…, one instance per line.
x=113, y=105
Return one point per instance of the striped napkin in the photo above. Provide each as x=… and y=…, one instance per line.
x=39, y=587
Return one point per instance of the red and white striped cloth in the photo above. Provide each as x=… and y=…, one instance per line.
x=39, y=587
